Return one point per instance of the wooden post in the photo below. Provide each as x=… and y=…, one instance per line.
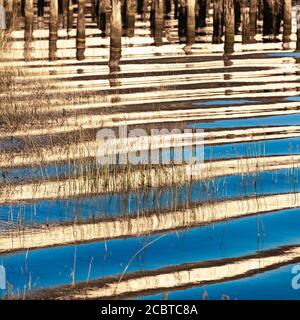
x=190, y=23
x=229, y=26
x=41, y=7
x=9, y=14
x=70, y=17
x=80, y=35
x=176, y=9
x=130, y=17
x=202, y=13
x=93, y=10
x=182, y=20
x=145, y=10
x=253, y=19
x=103, y=16
x=167, y=9
x=260, y=10
x=65, y=13
x=158, y=22
x=237, y=15
x=298, y=25
x=115, y=35
x=28, y=31
x=53, y=29
x=271, y=18
x=287, y=23
x=245, y=18
x=218, y=21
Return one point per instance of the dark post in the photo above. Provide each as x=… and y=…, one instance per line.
x=53, y=29
x=229, y=26
x=115, y=35
x=130, y=17
x=287, y=23
x=70, y=15
x=28, y=34
x=9, y=14
x=245, y=17
x=80, y=35
x=253, y=19
x=190, y=23
x=158, y=22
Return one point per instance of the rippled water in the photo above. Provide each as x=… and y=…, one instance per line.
x=234, y=233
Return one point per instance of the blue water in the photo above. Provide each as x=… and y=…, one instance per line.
x=223, y=102
x=293, y=98
x=282, y=120
x=286, y=54
x=49, y=267
x=155, y=199
x=271, y=285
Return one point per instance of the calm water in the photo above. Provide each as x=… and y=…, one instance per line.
x=248, y=105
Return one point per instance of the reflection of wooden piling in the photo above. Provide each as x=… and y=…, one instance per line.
x=80, y=35
x=93, y=10
x=103, y=16
x=218, y=21
x=271, y=18
x=202, y=13
x=53, y=29
x=65, y=13
x=260, y=10
x=28, y=34
x=115, y=35
x=9, y=14
x=229, y=26
x=182, y=20
x=245, y=18
x=298, y=25
x=130, y=17
x=70, y=15
x=190, y=22
x=158, y=22
x=287, y=23
x=253, y=19
x=237, y=15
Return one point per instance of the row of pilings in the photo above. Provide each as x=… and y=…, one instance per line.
x=117, y=18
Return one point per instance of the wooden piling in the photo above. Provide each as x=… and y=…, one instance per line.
x=271, y=20
x=253, y=20
x=287, y=24
x=245, y=19
x=229, y=26
x=115, y=35
x=202, y=13
x=130, y=17
x=28, y=31
x=65, y=13
x=237, y=15
x=190, y=23
x=158, y=22
x=217, y=21
x=53, y=29
x=70, y=17
x=103, y=16
x=9, y=14
x=182, y=20
x=80, y=35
